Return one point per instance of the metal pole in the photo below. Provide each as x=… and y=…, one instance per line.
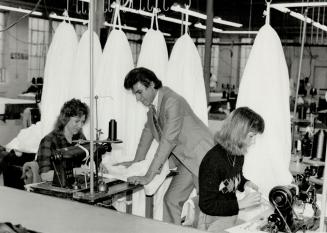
x=323, y=201
x=300, y=62
x=91, y=22
x=208, y=43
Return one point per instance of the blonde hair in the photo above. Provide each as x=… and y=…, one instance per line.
x=233, y=133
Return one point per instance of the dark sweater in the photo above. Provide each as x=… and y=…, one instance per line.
x=218, y=182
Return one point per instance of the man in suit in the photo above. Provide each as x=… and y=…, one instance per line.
x=182, y=137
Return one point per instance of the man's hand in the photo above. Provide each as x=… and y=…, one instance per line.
x=143, y=180
x=125, y=164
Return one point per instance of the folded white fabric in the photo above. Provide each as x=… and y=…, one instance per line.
x=27, y=140
x=137, y=169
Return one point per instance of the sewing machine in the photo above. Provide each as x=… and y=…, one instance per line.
x=64, y=160
x=290, y=203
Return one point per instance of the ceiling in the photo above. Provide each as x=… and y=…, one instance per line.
x=250, y=13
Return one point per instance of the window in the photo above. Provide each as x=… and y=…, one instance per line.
x=38, y=46
x=2, y=69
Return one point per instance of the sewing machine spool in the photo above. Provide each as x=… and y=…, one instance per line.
x=319, y=145
x=112, y=130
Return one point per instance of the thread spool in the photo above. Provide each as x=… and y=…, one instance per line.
x=112, y=130
x=319, y=146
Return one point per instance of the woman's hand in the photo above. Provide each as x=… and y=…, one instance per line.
x=252, y=185
x=251, y=199
x=125, y=164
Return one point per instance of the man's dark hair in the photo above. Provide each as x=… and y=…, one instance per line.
x=142, y=75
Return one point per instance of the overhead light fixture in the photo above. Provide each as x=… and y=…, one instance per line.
x=239, y=32
x=8, y=8
x=122, y=26
x=173, y=20
x=299, y=4
x=201, y=26
x=218, y=30
x=284, y=9
x=225, y=22
x=178, y=8
x=164, y=33
x=55, y=16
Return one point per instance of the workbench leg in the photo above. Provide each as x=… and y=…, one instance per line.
x=129, y=201
x=149, y=206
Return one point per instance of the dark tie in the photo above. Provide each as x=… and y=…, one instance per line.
x=155, y=120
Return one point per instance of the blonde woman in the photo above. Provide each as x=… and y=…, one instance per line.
x=220, y=173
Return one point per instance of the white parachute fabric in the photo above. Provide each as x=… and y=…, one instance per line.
x=57, y=74
x=265, y=89
x=153, y=56
x=79, y=85
x=185, y=75
x=115, y=63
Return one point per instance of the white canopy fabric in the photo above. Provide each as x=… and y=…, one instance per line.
x=79, y=85
x=185, y=75
x=154, y=56
x=115, y=63
x=265, y=89
x=57, y=74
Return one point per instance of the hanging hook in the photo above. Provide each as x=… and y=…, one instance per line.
x=164, y=6
x=189, y=4
x=77, y=11
x=108, y=8
x=140, y=8
x=148, y=5
x=83, y=12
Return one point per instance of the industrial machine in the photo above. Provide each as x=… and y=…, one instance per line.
x=65, y=159
x=290, y=202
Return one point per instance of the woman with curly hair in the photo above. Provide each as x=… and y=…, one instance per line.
x=68, y=128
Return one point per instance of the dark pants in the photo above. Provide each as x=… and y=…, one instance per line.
x=11, y=167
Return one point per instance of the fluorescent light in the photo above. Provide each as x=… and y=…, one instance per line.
x=199, y=15
x=164, y=33
x=280, y=8
x=178, y=8
x=218, y=30
x=201, y=26
x=299, y=4
x=122, y=26
x=225, y=22
x=239, y=32
x=55, y=16
x=284, y=9
x=173, y=20
x=8, y=8
x=300, y=17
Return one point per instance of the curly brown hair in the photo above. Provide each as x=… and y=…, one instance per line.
x=71, y=108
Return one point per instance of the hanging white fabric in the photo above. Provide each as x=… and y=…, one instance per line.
x=57, y=74
x=185, y=75
x=80, y=82
x=154, y=56
x=265, y=89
